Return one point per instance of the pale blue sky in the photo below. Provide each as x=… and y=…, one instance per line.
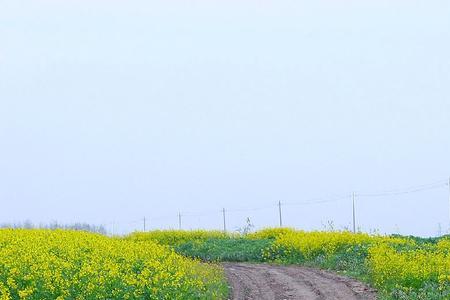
x=112, y=110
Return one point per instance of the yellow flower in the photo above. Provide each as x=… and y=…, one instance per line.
x=38, y=264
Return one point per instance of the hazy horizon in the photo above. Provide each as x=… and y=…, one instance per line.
x=114, y=111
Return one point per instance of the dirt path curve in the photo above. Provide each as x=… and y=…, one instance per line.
x=272, y=282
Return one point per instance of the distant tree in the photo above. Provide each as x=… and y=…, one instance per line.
x=55, y=225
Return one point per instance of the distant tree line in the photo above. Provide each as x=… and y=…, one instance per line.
x=55, y=225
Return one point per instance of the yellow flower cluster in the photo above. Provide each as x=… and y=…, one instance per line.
x=45, y=264
x=311, y=244
x=410, y=267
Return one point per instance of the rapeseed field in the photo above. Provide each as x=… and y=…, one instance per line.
x=60, y=264
x=45, y=264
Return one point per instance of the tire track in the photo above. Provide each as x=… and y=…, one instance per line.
x=271, y=282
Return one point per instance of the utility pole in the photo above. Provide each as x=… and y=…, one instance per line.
x=279, y=212
x=144, y=224
x=354, y=218
x=448, y=183
x=179, y=221
x=224, y=221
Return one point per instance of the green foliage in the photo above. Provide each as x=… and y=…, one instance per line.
x=175, y=238
x=430, y=291
x=350, y=261
x=225, y=249
x=421, y=241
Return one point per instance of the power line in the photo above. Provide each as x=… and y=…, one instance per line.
x=201, y=214
x=318, y=200
x=252, y=209
x=333, y=198
x=405, y=191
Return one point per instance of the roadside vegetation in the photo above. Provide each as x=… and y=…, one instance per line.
x=399, y=267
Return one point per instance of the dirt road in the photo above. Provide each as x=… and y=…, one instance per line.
x=269, y=282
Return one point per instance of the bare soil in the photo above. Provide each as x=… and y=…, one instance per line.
x=273, y=282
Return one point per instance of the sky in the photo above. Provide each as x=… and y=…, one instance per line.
x=112, y=111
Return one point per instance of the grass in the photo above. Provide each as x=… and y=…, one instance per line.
x=225, y=249
x=351, y=262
